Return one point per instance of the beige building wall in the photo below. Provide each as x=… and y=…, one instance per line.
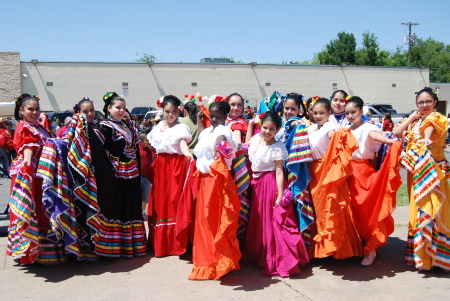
x=61, y=85
x=9, y=76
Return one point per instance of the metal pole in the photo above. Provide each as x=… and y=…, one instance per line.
x=410, y=24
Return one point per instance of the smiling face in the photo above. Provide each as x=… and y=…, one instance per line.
x=117, y=109
x=320, y=114
x=170, y=113
x=338, y=103
x=290, y=109
x=30, y=111
x=268, y=130
x=87, y=108
x=353, y=113
x=237, y=106
x=216, y=117
x=425, y=103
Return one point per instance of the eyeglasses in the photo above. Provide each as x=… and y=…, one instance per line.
x=428, y=102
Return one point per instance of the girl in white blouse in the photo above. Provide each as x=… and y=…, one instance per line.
x=170, y=139
x=371, y=199
x=273, y=240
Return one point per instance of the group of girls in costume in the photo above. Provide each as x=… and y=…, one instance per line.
x=295, y=183
x=77, y=196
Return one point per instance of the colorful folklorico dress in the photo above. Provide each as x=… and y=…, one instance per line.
x=169, y=173
x=428, y=243
x=215, y=249
x=83, y=149
x=29, y=223
x=296, y=166
x=240, y=173
x=273, y=240
x=373, y=193
x=122, y=231
x=335, y=232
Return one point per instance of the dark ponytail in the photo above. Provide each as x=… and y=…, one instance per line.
x=109, y=99
x=298, y=99
x=192, y=110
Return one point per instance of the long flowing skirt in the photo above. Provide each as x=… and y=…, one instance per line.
x=216, y=248
x=170, y=171
x=273, y=240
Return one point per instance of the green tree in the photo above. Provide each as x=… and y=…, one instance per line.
x=434, y=55
x=145, y=58
x=339, y=51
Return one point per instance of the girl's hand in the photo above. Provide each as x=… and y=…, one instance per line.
x=200, y=114
x=26, y=162
x=191, y=157
x=427, y=142
x=278, y=201
x=414, y=116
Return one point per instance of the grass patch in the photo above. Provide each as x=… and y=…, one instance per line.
x=402, y=196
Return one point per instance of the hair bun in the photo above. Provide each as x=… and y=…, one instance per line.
x=109, y=96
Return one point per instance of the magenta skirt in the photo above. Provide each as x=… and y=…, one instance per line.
x=273, y=241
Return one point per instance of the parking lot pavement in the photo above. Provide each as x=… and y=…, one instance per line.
x=148, y=278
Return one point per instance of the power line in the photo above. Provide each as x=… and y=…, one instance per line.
x=411, y=37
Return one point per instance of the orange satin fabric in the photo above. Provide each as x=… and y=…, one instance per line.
x=336, y=233
x=216, y=248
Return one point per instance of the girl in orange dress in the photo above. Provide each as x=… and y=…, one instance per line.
x=215, y=249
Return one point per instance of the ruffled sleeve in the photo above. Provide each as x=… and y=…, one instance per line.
x=183, y=133
x=240, y=125
x=279, y=152
x=24, y=138
x=438, y=122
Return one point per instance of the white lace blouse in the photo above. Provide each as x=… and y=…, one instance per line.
x=169, y=140
x=367, y=146
x=263, y=157
x=206, y=146
x=318, y=139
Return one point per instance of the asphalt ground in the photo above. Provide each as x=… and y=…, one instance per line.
x=149, y=278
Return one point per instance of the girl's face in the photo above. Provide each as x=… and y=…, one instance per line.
x=425, y=103
x=30, y=111
x=338, y=102
x=170, y=113
x=353, y=113
x=320, y=114
x=216, y=117
x=291, y=109
x=268, y=130
x=237, y=106
x=87, y=108
x=117, y=110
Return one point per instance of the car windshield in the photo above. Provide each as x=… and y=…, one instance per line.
x=139, y=111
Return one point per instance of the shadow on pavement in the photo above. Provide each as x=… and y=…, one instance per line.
x=58, y=273
x=247, y=278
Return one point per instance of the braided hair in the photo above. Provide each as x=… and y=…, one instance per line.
x=192, y=110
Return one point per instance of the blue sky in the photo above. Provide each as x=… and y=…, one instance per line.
x=187, y=31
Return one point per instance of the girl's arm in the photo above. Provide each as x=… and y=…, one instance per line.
x=238, y=136
x=185, y=149
x=279, y=175
x=377, y=136
x=200, y=124
x=27, y=154
x=427, y=133
x=401, y=128
x=249, y=134
x=330, y=134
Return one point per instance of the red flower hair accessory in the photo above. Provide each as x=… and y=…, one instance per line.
x=159, y=102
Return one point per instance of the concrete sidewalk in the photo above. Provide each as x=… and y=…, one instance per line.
x=149, y=278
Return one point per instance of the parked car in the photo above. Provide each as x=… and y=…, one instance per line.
x=152, y=114
x=52, y=116
x=384, y=107
x=141, y=111
x=376, y=113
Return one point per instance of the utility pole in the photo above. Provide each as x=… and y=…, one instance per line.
x=410, y=40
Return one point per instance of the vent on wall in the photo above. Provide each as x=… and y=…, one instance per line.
x=394, y=85
x=267, y=84
x=194, y=84
x=49, y=84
